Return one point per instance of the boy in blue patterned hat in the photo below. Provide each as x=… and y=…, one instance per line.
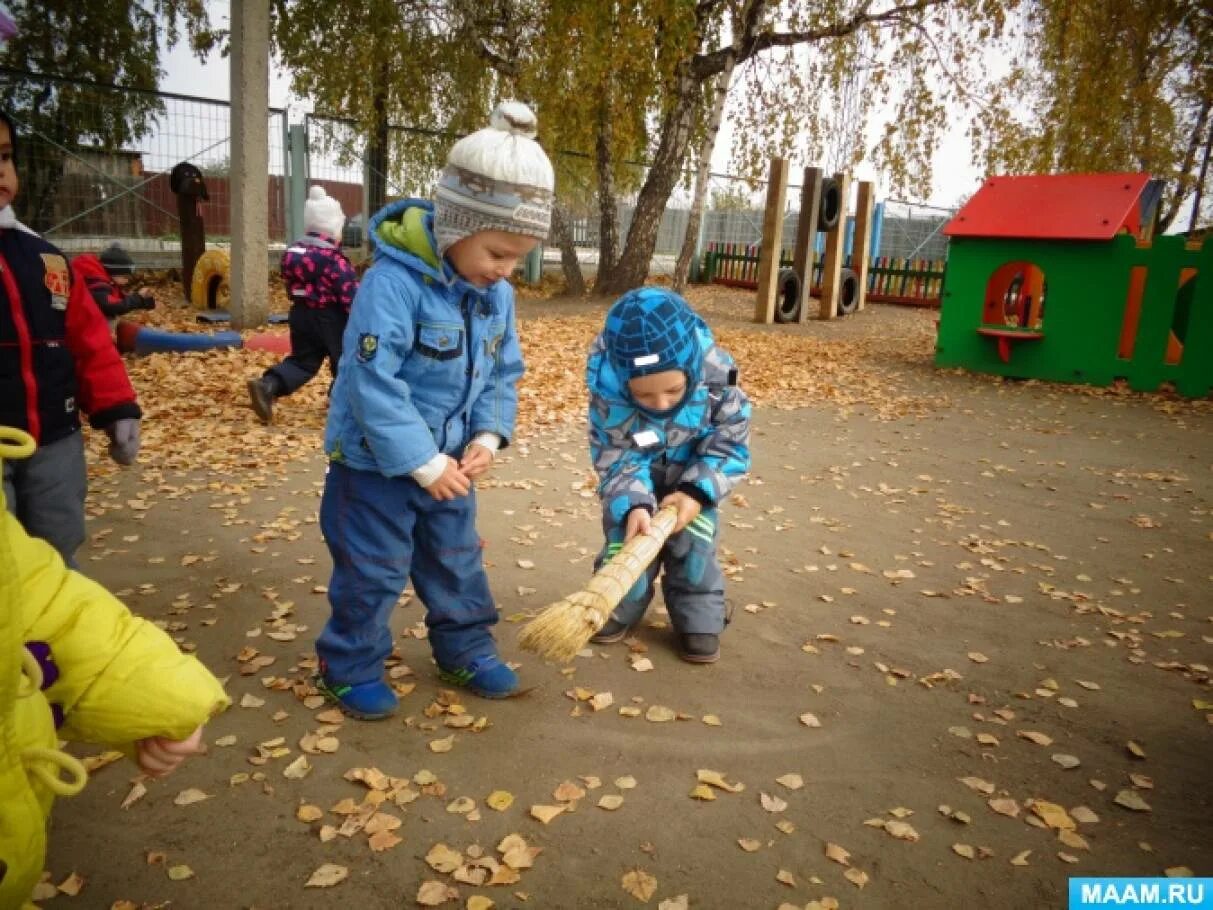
x=425, y=396
x=668, y=425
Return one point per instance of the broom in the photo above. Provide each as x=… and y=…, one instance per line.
x=565, y=627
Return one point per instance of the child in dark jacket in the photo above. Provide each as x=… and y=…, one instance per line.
x=107, y=276
x=321, y=283
x=668, y=426
x=56, y=359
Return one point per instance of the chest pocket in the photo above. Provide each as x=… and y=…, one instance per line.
x=439, y=342
x=492, y=342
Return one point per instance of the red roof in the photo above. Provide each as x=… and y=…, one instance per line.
x=1052, y=207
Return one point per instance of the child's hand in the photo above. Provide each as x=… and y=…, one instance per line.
x=158, y=756
x=476, y=461
x=688, y=509
x=638, y=522
x=451, y=484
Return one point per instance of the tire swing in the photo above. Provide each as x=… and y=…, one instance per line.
x=848, y=292
x=787, y=301
x=211, y=288
x=830, y=207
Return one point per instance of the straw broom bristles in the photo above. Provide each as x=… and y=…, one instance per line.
x=565, y=627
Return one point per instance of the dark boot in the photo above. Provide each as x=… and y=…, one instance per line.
x=699, y=647
x=612, y=632
x=261, y=394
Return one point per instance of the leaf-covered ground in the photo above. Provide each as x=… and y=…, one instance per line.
x=969, y=655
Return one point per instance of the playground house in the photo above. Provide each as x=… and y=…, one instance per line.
x=1058, y=277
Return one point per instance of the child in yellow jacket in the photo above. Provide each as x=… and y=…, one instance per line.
x=75, y=664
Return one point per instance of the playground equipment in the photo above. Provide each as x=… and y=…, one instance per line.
x=1119, y=305
x=134, y=338
x=210, y=287
x=783, y=295
x=188, y=185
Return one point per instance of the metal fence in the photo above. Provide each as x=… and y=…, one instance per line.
x=95, y=160
x=90, y=179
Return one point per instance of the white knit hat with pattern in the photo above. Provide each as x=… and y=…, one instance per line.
x=323, y=213
x=496, y=179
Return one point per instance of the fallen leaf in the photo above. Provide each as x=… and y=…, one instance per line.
x=1084, y=816
x=1131, y=799
x=138, y=791
x=433, y=894
x=772, y=803
x=810, y=720
x=1021, y=858
x=179, y=872
x=1135, y=750
x=964, y=850
x=461, y=805
x=308, y=813
x=443, y=745
x=838, y=854
x=625, y=783
x=1066, y=761
x=1007, y=807
x=545, y=814
x=327, y=875
x=703, y=792
x=640, y=884
x=1073, y=840
x=716, y=779
x=791, y=780
x=500, y=800
x=749, y=844
x=659, y=714
x=681, y=902
x=901, y=831
x=1052, y=815
x=298, y=769
x=610, y=802
x=856, y=877
x=480, y=902
x=1177, y=872
x=784, y=877
x=1034, y=737
x=74, y=883
x=567, y=792
x=977, y=657
x=442, y=858
x=383, y=840
x=976, y=783
x=190, y=796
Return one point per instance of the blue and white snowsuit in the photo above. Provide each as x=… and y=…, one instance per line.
x=700, y=447
x=428, y=361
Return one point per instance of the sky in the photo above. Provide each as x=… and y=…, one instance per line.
x=955, y=177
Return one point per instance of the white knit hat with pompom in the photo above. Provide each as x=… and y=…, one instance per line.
x=496, y=179
x=323, y=213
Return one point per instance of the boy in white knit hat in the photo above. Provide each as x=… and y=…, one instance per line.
x=425, y=397
x=320, y=282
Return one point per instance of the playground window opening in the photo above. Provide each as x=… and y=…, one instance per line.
x=1015, y=298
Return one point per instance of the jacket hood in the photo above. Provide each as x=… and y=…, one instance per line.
x=404, y=231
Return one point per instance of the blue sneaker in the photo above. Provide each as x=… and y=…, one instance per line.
x=487, y=677
x=365, y=701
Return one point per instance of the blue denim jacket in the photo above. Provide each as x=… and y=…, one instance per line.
x=428, y=360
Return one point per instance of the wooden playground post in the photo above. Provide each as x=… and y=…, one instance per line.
x=860, y=246
x=772, y=241
x=831, y=267
x=806, y=236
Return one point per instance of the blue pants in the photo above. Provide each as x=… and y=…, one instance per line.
x=692, y=583
x=381, y=532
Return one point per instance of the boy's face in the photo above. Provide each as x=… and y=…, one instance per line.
x=8, y=172
x=659, y=391
x=486, y=256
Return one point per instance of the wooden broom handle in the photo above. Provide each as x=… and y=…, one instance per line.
x=612, y=580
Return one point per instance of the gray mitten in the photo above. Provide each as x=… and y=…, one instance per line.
x=124, y=440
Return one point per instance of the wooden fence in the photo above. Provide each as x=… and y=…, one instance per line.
x=912, y=282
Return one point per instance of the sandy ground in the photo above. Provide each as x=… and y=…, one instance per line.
x=977, y=606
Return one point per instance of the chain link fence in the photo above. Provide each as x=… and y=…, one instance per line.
x=94, y=164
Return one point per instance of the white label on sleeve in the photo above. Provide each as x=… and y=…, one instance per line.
x=645, y=438
x=645, y=361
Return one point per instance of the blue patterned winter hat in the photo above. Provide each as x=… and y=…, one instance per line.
x=650, y=330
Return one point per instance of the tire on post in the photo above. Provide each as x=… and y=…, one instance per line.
x=830, y=207
x=787, y=301
x=848, y=292
x=210, y=288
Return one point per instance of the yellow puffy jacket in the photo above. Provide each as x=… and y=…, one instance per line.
x=120, y=680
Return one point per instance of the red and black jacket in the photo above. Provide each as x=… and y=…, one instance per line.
x=56, y=354
x=88, y=268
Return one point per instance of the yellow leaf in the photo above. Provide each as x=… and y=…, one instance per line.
x=610, y=802
x=1021, y=858
x=443, y=745
x=838, y=854
x=432, y=894
x=383, y=840
x=500, y=800
x=72, y=885
x=190, y=796
x=625, y=783
x=964, y=850
x=784, y=877
x=545, y=814
x=659, y=714
x=308, y=813
x=772, y=803
x=327, y=875
x=749, y=844
x=480, y=902
x=640, y=884
x=568, y=792
x=810, y=720
x=791, y=781
x=1053, y=815
x=1135, y=750
x=856, y=877
x=716, y=779
x=442, y=858
x=180, y=872
x=703, y=792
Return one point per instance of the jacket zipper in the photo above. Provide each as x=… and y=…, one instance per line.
x=27, y=351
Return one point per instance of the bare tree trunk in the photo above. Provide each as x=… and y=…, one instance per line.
x=377, y=154
x=562, y=236
x=702, y=179
x=1202, y=177
x=608, y=211
x=633, y=266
